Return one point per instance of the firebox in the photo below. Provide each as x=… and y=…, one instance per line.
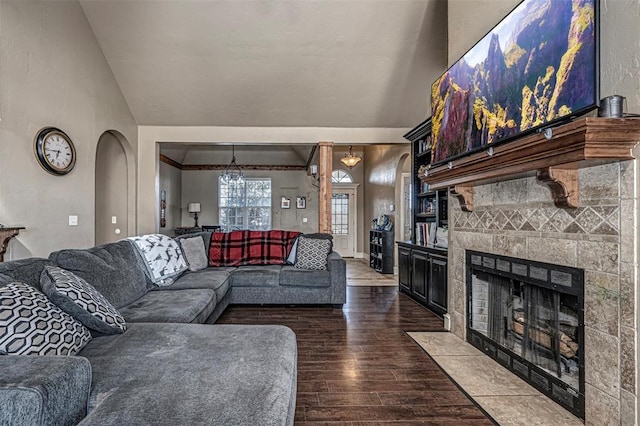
x=529, y=317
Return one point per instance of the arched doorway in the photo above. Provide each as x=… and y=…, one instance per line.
x=114, y=189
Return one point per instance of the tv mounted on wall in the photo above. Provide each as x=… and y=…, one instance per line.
x=537, y=67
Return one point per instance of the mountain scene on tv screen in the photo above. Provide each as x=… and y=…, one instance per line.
x=536, y=66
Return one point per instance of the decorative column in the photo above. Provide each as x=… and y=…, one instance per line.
x=325, y=168
x=7, y=234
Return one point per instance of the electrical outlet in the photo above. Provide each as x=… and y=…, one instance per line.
x=73, y=220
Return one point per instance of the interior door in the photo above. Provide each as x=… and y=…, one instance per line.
x=343, y=220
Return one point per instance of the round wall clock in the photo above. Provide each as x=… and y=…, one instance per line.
x=55, y=151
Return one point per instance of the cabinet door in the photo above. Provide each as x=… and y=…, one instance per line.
x=420, y=275
x=404, y=268
x=438, y=284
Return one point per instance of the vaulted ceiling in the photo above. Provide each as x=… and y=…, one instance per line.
x=273, y=63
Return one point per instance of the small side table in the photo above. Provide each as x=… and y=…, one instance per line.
x=7, y=234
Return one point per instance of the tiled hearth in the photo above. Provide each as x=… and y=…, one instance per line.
x=517, y=218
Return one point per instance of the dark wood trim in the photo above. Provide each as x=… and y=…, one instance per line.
x=170, y=162
x=243, y=167
x=6, y=234
x=311, y=154
x=180, y=166
x=581, y=143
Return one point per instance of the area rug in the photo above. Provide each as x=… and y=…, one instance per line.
x=508, y=399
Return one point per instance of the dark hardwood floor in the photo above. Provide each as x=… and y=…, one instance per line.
x=357, y=366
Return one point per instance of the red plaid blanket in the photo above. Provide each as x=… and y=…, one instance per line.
x=250, y=247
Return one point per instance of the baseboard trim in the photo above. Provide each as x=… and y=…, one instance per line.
x=358, y=255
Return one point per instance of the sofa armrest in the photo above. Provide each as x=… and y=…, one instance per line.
x=338, y=269
x=44, y=390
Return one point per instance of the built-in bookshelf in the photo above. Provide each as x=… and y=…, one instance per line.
x=422, y=262
x=430, y=207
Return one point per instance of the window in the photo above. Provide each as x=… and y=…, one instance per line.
x=245, y=205
x=340, y=176
x=340, y=213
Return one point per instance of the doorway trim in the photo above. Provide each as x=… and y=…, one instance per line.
x=351, y=187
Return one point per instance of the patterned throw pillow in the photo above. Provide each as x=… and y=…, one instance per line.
x=30, y=324
x=195, y=253
x=81, y=300
x=162, y=257
x=312, y=253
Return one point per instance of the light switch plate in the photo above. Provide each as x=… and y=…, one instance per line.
x=114, y=219
x=73, y=220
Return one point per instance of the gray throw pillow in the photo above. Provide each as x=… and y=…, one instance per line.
x=312, y=253
x=194, y=252
x=81, y=300
x=30, y=324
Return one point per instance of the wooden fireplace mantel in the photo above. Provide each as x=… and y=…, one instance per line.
x=555, y=156
x=7, y=234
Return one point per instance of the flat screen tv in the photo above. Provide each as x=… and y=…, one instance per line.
x=537, y=67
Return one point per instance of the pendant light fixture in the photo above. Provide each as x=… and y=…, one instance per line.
x=350, y=159
x=233, y=171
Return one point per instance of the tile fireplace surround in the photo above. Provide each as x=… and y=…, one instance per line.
x=517, y=218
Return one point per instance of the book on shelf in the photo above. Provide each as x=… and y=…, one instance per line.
x=422, y=233
x=427, y=206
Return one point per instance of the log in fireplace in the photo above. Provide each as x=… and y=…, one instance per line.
x=529, y=316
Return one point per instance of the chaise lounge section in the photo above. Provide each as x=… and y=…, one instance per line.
x=171, y=366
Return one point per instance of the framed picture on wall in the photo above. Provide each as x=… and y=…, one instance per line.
x=301, y=203
x=285, y=203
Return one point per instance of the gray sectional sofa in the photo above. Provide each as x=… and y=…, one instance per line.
x=173, y=365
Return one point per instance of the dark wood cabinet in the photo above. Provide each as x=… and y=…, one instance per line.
x=419, y=275
x=381, y=251
x=422, y=262
x=423, y=275
x=437, y=296
x=404, y=268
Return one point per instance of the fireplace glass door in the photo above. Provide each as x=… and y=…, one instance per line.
x=535, y=323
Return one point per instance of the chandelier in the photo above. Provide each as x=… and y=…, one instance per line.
x=233, y=171
x=349, y=159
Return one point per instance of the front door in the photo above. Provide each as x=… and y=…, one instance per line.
x=343, y=219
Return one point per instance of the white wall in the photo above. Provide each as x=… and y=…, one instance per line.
x=52, y=73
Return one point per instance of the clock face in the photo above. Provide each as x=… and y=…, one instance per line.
x=55, y=151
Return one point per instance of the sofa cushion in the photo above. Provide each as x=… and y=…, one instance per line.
x=239, y=248
x=205, y=235
x=30, y=324
x=114, y=269
x=216, y=279
x=294, y=277
x=183, y=306
x=312, y=253
x=81, y=300
x=256, y=276
x=179, y=374
x=44, y=390
x=5, y=279
x=194, y=252
x=24, y=270
x=162, y=257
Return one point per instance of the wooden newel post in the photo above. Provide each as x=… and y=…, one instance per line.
x=7, y=234
x=325, y=168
